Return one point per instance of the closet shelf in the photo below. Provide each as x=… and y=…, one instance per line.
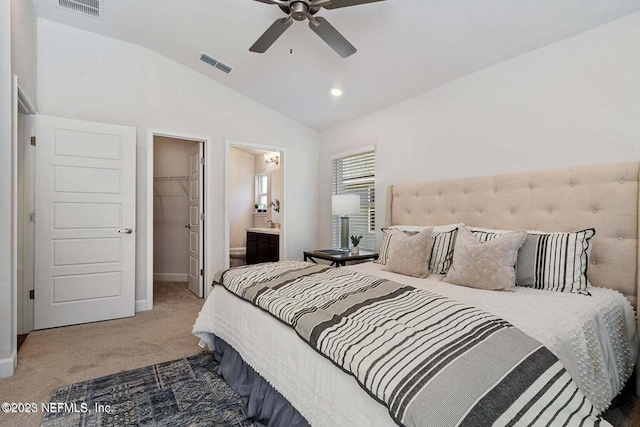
x=178, y=179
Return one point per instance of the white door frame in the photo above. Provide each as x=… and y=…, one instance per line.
x=208, y=211
x=283, y=171
x=25, y=305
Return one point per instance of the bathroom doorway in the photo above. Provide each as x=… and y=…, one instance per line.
x=255, y=202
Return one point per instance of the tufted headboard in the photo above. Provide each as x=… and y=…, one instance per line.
x=604, y=197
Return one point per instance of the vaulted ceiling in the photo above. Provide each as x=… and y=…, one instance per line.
x=405, y=47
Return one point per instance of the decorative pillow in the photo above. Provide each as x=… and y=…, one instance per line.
x=556, y=261
x=488, y=265
x=442, y=251
x=410, y=254
x=487, y=234
x=444, y=237
x=383, y=253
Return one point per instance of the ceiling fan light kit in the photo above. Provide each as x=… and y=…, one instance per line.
x=301, y=10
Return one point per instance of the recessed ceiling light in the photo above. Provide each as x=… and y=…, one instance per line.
x=336, y=92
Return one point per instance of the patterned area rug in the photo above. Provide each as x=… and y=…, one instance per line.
x=183, y=392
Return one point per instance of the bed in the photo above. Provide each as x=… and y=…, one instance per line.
x=598, y=341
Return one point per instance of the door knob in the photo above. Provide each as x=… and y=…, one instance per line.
x=188, y=226
x=126, y=231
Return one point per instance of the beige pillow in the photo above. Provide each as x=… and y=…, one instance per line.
x=488, y=265
x=410, y=254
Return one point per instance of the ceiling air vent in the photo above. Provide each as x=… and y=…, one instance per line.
x=85, y=7
x=215, y=63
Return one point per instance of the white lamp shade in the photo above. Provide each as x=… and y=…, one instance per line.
x=345, y=204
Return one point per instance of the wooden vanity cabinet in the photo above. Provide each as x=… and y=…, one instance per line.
x=262, y=247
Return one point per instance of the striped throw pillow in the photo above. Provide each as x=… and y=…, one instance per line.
x=555, y=261
x=442, y=251
x=487, y=234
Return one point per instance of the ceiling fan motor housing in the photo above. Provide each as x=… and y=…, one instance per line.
x=299, y=9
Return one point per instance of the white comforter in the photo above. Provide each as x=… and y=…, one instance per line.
x=594, y=337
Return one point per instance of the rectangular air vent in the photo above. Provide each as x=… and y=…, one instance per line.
x=215, y=63
x=85, y=7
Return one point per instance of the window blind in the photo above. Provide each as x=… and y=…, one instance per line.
x=356, y=174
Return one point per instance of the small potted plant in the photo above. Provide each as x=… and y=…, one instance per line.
x=355, y=240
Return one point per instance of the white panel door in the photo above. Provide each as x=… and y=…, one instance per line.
x=196, y=272
x=85, y=221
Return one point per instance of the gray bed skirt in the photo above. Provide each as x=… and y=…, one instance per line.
x=265, y=404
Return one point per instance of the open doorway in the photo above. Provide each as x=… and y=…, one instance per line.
x=256, y=206
x=178, y=212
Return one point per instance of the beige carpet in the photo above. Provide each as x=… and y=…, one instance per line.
x=56, y=357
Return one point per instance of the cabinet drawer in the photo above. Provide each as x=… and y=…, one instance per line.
x=252, y=237
x=263, y=238
x=274, y=240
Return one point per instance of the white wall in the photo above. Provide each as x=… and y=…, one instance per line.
x=7, y=286
x=86, y=76
x=24, y=34
x=576, y=102
x=241, y=196
x=171, y=209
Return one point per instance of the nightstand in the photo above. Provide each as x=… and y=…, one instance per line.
x=337, y=258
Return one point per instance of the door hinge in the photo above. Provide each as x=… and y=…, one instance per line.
x=202, y=271
x=202, y=160
x=32, y=294
x=32, y=218
x=33, y=141
x=202, y=216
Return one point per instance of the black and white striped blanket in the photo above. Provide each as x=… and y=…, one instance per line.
x=431, y=360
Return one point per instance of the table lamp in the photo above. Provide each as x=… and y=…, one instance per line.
x=343, y=205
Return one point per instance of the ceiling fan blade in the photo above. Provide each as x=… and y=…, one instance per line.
x=265, y=1
x=271, y=35
x=345, y=3
x=332, y=37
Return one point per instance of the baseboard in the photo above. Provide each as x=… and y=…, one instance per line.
x=8, y=365
x=141, y=305
x=170, y=277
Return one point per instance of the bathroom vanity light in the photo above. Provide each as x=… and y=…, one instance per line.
x=272, y=158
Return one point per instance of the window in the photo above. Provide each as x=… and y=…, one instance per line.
x=261, y=191
x=355, y=174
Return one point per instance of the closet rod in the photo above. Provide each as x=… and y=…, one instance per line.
x=171, y=178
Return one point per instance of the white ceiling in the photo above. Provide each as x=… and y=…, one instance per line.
x=405, y=47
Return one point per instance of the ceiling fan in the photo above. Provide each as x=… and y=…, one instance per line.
x=301, y=10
